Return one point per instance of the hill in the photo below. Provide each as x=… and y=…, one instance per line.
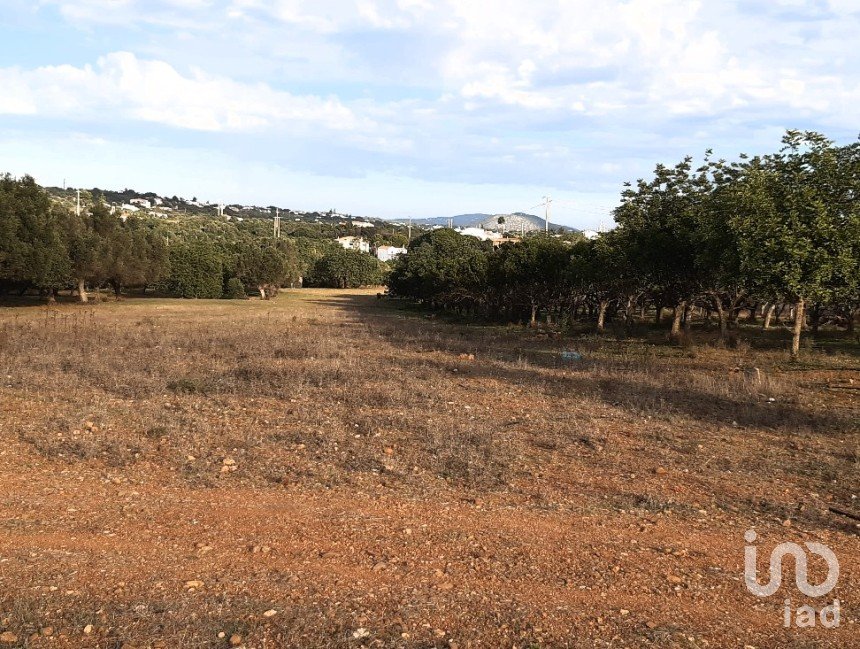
x=513, y=222
x=177, y=206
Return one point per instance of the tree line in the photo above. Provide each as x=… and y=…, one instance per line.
x=758, y=235
x=47, y=247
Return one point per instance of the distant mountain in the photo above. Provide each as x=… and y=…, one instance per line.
x=514, y=222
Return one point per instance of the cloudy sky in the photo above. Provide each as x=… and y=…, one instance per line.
x=412, y=107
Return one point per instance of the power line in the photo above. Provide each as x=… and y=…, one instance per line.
x=546, y=203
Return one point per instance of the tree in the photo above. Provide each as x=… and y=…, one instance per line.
x=717, y=256
x=531, y=274
x=83, y=246
x=266, y=267
x=660, y=219
x=443, y=268
x=33, y=249
x=195, y=269
x=798, y=224
x=340, y=268
x=147, y=259
x=600, y=270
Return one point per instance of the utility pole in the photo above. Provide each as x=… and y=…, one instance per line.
x=78, y=204
x=277, y=224
x=409, y=230
x=546, y=201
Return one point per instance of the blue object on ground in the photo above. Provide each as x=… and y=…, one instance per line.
x=571, y=356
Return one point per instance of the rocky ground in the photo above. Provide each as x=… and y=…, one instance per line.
x=330, y=470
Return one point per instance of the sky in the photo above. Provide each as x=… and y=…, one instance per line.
x=396, y=108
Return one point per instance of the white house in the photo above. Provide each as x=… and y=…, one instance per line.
x=127, y=207
x=478, y=233
x=484, y=235
x=141, y=202
x=362, y=224
x=387, y=253
x=354, y=243
x=590, y=234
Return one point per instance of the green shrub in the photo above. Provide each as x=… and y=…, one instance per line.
x=341, y=268
x=195, y=270
x=234, y=289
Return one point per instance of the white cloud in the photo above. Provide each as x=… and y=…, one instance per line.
x=663, y=57
x=652, y=57
x=571, y=94
x=154, y=91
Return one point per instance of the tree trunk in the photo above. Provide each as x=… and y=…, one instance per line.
x=629, y=311
x=658, y=315
x=721, y=314
x=533, y=320
x=768, y=315
x=778, y=314
x=688, y=317
x=675, y=332
x=52, y=296
x=799, y=313
x=82, y=292
x=601, y=314
x=754, y=313
x=262, y=290
x=815, y=317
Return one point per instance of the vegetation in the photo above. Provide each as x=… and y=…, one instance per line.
x=758, y=235
x=755, y=235
x=47, y=247
x=340, y=268
x=177, y=470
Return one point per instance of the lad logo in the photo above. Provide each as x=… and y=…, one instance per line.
x=805, y=615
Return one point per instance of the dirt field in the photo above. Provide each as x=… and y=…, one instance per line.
x=329, y=470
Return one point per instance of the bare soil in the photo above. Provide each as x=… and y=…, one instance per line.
x=333, y=470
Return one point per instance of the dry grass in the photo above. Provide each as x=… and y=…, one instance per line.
x=361, y=419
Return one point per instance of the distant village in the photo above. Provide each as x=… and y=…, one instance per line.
x=497, y=229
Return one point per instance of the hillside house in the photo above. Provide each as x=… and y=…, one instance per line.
x=388, y=253
x=484, y=235
x=354, y=243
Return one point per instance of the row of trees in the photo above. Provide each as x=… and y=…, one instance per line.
x=48, y=247
x=45, y=246
x=718, y=238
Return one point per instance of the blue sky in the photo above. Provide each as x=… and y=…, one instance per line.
x=394, y=108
